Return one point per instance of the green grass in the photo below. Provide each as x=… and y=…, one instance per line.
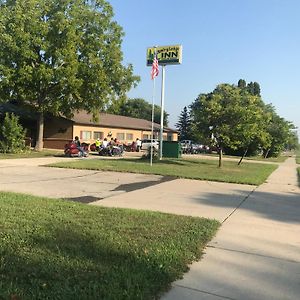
x=247, y=173
x=54, y=249
x=298, y=169
x=32, y=154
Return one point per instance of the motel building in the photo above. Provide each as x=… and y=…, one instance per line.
x=60, y=130
x=126, y=129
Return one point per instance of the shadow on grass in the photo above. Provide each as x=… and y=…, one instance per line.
x=179, y=162
x=79, y=266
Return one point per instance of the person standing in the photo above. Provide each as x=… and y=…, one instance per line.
x=138, y=145
x=78, y=146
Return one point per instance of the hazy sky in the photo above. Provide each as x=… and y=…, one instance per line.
x=223, y=41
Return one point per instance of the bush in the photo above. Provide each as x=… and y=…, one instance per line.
x=155, y=154
x=12, y=135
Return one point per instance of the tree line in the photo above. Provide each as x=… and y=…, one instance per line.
x=236, y=120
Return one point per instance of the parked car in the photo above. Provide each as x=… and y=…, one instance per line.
x=190, y=147
x=146, y=144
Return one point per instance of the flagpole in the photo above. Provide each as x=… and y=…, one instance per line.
x=154, y=73
x=162, y=112
x=152, y=122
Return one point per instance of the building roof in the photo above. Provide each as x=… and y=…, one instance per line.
x=115, y=121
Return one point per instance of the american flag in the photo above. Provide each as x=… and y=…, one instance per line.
x=154, y=69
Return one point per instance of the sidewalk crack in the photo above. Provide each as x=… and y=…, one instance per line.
x=255, y=254
x=204, y=292
x=240, y=204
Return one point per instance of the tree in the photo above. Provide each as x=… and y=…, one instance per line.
x=242, y=84
x=12, y=135
x=61, y=56
x=184, y=125
x=138, y=108
x=253, y=88
x=231, y=115
x=280, y=132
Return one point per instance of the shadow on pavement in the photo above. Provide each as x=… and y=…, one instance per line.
x=84, y=199
x=284, y=207
x=141, y=185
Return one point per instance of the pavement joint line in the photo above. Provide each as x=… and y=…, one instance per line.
x=204, y=292
x=240, y=204
x=254, y=254
x=60, y=178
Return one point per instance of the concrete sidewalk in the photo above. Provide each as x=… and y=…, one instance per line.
x=256, y=253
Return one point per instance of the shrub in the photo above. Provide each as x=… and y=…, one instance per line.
x=12, y=135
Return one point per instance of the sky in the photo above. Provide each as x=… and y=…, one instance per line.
x=223, y=41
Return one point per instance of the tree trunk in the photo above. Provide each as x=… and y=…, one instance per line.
x=267, y=152
x=244, y=154
x=40, y=130
x=220, y=157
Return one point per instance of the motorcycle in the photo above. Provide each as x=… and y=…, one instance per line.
x=71, y=150
x=111, y=151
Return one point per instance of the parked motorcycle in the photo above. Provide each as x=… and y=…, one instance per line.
x=71, y=150
x=111, y=151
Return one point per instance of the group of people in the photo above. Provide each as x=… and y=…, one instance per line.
x=108, y=145
x=136, y=145
x=105, y=143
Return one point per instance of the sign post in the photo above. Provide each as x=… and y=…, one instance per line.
x=166, y=55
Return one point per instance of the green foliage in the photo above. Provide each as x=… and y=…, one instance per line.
x=202, y=169
x=279, y=131
x=54, y=249
x=12, y=135
x=231, y=115
x=137, y=108
x=240, y=122
x=60, y=56
x=184, y=125
x=253, y=88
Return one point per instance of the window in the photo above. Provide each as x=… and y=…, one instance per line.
x=121, y=136
x=146, y=136
x=98, y=135
x=85, y=135
x=129, y=136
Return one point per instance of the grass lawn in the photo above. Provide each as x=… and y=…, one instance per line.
x=32, y=154
x=54, y=249
x=298, y=169
x=203, y=169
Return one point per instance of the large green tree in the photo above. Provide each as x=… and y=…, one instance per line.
x=231, y=115
x=138, y=108
x=60, y=56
